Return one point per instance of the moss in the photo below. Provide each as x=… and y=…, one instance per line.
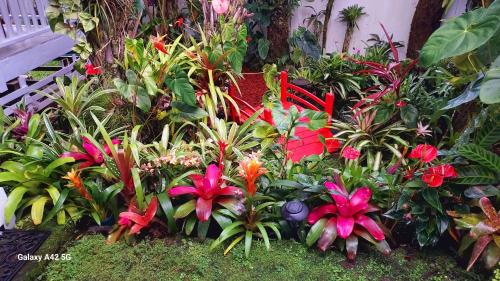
x=92, y=259
x=59, y=236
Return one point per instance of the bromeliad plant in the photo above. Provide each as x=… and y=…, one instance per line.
x=346, y=218
x=390, y=77
x=257, y=218
x=484, y=232
x=208, y=191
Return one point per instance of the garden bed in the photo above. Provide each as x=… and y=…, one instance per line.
x=186, y=259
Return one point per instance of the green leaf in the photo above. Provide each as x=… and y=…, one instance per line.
x=263, y=232
x=475, y=174
x=57, y=207
x=248, y=242
x=461, y=35
x=480, y=155
x=57, y=163
x=315, y=232
x=181, y=87
x=37, y=209
x=490, y=88
x=409, y=115
x=263, y=47
x=489, y=134
x=168, y=209
x=15, y=196
x=185, y=209
x=431, y=196
x=185, y=112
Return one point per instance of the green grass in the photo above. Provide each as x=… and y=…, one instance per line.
x=92, y=260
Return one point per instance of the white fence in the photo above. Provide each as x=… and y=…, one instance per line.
x=20, y=19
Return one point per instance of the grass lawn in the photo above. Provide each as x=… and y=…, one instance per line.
x=92, y=259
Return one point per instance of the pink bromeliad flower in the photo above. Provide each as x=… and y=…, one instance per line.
x=348, y=210
x=92, y=155
x=346, y=218
x=208, y=190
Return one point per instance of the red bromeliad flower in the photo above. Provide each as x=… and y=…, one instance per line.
x=179, y=22
x=92, y=155
x=159, y=44
x=401, y=103
x=92, y=70
x=351, y=153
x=434, y=176
x=208, y=190
x=424, y=152
x=346, y=213
x=137, y=220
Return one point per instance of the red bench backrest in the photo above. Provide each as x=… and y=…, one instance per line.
x=289, y=94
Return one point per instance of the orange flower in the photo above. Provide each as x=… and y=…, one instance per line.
x=250, y=169
x=76, y=182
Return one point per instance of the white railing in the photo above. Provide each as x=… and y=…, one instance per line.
x=21, y=19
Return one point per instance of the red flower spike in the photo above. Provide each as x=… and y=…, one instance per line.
x=208, y=189
x=179, y=22
x=159, y=44
x=401, y=103
x=424, y=152
x=92, y=70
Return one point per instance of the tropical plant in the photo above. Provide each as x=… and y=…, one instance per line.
x=345, y=218
x=469, y=40
x=77, y=99
x=375, y=138
x=390, y=74
x=484, y=232
x=257, y=218
x=34, y=178
x=208, y=190
x=350, y=16
x=236, y=139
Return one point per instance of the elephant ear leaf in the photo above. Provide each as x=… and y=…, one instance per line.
x=462, y=34
x=490, y=88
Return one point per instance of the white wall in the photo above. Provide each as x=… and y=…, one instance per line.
x=396, y=15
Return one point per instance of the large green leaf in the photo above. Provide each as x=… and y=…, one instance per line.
x=263, y=47
x=38, y=208
x=480, y=155
x=490, y=89
x=168, y=209
x=179, y=84
x=432, y=197
x=461, y=35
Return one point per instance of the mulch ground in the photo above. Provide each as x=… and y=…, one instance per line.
x=252, y=87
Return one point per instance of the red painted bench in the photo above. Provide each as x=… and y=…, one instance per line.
x=307, y=142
